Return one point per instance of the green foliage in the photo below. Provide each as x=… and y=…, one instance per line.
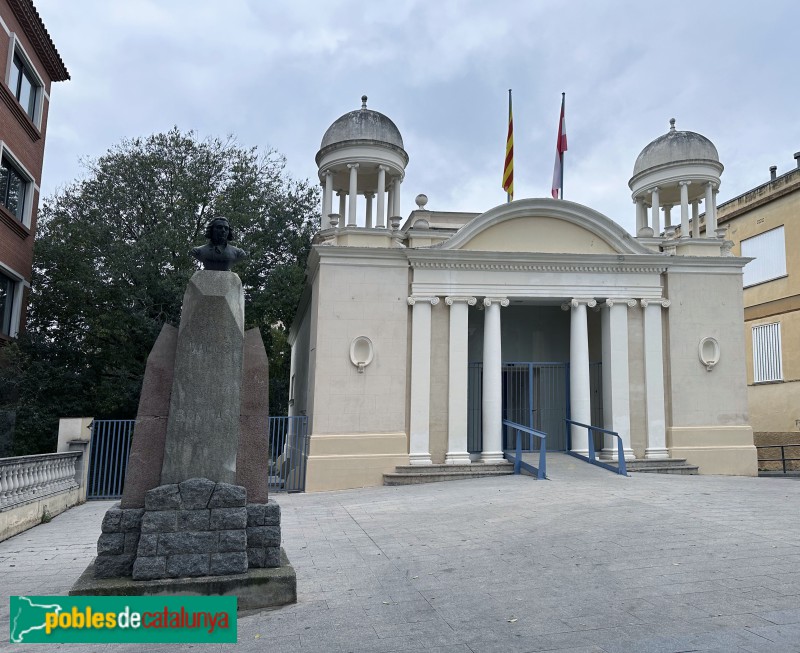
x=111, y=264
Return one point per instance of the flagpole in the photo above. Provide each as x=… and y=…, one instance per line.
x=563, y=101
x=508, y=195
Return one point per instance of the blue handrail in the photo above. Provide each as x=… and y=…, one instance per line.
x=621, y=469
x=516, y=457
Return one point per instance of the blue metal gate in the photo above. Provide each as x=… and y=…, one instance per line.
x=535, y=395
x=108, y=460
x=288, y=453
x=111, y=444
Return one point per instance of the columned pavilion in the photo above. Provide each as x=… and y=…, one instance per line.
x=414, y=341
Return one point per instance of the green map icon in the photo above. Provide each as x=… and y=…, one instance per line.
x=28, y=616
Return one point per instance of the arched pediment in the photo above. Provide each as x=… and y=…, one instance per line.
x=547, y=226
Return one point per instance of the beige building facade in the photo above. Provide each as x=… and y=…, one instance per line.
x=764, y=223
x=415, y=338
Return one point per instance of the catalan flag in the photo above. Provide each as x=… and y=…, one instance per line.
x=508, y=170
x=561, y=147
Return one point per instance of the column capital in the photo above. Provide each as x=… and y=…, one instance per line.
x=432, y=299
x=666, y=207
x=488, y=301
x=384, y=168
x=654, y=189
x=665, y=303
x=352, y=165
x=577, y=301
x=369, y=196
x=470, y=301
x=630, y=303
x=684, y=183
x=340, y=193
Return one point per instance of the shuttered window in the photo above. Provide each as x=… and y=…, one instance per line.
x=767, y=353
x=769, y=251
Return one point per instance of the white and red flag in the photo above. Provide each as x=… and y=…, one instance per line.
x=561, y=147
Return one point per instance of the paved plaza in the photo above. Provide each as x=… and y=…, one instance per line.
x=587, y=562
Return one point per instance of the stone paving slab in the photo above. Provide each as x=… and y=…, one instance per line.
x=588, y=562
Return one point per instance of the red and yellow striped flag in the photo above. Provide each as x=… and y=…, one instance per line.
x=508, y=170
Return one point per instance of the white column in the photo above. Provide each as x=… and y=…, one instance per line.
x=492, y=405
x=341, y=195
x=396, y=196
x=668, y=215
x=710, y=222
x=457, y=380
x=641, y=215
x=695, y=219
x=352, y=196
x=368, y=197
x=654, y=379
x=685, y=208
x=381, y=196
x=655, y=209
x=714, y=212
x=420, y=417
x=390, y=200
x=580, y=400
x=616, y=382
x=327, y=198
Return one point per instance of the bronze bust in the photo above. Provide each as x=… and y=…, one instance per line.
x=219, y=254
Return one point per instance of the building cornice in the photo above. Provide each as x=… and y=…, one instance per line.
x=514, y=261
x=33, y=26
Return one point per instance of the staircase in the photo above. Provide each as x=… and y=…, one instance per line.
x=665, y=466
x=413, y=474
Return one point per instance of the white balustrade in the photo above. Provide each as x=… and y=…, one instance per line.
x=27, y=478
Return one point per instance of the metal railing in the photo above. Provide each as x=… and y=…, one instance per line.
x=288, y=453
x=783, y=459
x=27, y=478
x=108, y=460
x=516, y=457
x=621, y=469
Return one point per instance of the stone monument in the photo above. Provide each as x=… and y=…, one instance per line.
x=195, y=516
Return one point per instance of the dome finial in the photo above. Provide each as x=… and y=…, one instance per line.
x=363, y=101
x=672, y=124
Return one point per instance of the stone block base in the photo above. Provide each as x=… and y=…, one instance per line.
x=340, y=462
x=727, y=450
x=258, y=588
x=189, y=529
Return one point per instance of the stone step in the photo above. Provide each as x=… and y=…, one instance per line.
x=663, y=466
x=414, y=474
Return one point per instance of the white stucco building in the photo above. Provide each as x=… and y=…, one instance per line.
x=415, y=337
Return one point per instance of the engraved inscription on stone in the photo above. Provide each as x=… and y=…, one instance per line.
x=203, y=425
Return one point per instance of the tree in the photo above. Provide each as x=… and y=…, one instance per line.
x=111, y=264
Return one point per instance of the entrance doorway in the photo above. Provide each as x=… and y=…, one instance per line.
x=535, y=394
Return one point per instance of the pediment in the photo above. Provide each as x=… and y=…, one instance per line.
x=544, y=225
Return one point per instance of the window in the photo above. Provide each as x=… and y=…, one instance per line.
x=13, y=188
x=7, y=287
x=24, y=85
x=769, y=251
x=767, y=353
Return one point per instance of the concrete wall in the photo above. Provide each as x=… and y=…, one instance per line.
x=707, y=418
x=359, y=419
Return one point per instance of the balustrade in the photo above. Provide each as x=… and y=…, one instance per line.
x=27, y=478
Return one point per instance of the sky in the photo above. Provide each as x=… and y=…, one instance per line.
x=276, y=74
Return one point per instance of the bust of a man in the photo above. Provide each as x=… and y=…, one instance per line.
x=219, y=254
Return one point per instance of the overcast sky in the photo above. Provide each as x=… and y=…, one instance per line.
x=277, y=74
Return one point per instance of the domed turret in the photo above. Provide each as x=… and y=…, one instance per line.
x=679, y=168
x=362, y=125
x=361, y=154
